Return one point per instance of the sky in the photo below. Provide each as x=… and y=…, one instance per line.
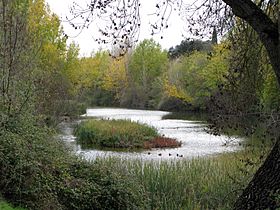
x=172, y=36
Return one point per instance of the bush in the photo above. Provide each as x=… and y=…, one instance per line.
x=37, y=172
x=120, y=134
x=174, y=105
x=5, y=206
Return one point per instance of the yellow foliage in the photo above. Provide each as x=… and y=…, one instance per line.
x=115, y=77
x=172, y=91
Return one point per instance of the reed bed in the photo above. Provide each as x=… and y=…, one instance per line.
x=202, y=183
x=121, y=134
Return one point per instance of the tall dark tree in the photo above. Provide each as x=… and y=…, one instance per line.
x=187, y=47
x=214, y=39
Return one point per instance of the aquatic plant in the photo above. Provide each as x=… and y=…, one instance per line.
x=120, y=134
x=200, y=183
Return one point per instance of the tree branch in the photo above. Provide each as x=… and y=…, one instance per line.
x=263, y=25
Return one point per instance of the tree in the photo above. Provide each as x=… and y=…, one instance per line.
x=187, y=47
x=52, y=86
x=115, y=77
x=147, y=63
x=195, y=77
x=214, y=39
x=263, y=189
x=261, y=192
x=16, y=62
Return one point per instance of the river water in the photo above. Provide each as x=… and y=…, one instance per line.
x=196, y=142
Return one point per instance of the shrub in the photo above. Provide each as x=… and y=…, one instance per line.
x=37, y=172
x=162, y=142
x=5, y=206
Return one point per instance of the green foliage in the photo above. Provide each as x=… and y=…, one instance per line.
x=37, y=172
x=53, y=60
x=16, y=61
x=114, y=133
x=147, y=64
x=271, y=92
x=249, y=92
x=5, y=206
x=195, y=77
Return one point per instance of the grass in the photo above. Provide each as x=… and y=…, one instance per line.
x=202, y=183
x=120, y=134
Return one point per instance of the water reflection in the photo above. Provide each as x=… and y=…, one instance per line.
x=195, y=140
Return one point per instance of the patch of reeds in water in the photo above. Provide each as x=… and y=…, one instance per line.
x=120, y=134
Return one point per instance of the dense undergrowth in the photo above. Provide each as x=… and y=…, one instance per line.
x=38, y=172
x=120, y=134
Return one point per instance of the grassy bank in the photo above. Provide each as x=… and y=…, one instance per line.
x=120, y=134
x=203, y=183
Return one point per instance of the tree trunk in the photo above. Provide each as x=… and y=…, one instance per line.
x=264, y=190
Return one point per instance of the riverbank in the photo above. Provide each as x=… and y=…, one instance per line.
x=200, y=183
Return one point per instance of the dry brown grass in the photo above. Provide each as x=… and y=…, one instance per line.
x=162, y=142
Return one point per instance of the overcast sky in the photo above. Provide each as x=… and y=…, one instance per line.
x=172, y=35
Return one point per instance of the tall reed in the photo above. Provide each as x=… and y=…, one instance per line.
x=202, y=183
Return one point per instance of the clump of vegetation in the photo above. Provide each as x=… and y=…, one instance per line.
x=200, y=183
x=38, y=172
x=162, y=142
x=120, y=134
x=5, y=206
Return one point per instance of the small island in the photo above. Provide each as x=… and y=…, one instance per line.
x=96, y=133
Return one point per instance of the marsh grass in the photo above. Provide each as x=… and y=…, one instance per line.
x=202, y=183
x=120, y=134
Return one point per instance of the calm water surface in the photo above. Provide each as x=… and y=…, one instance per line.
x=195, y=140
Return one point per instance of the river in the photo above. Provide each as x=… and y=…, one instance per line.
x=196, y=142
